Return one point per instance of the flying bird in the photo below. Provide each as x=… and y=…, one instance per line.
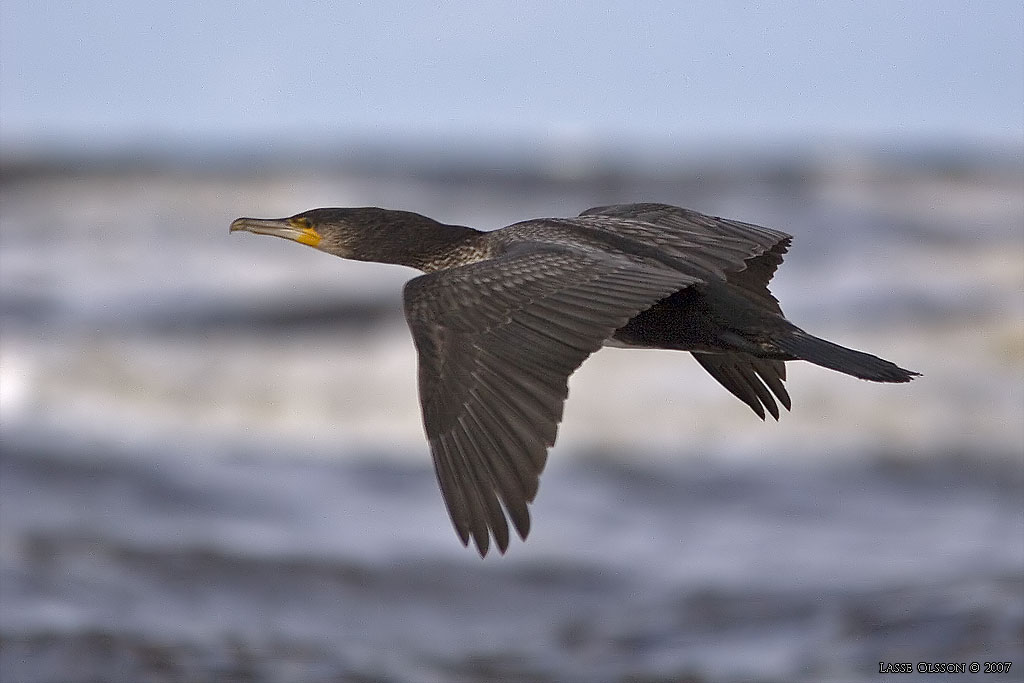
x=500, y=320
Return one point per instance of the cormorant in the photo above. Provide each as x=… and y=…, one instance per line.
x=501, y=319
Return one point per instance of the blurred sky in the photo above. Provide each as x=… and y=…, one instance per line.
x=92, y=73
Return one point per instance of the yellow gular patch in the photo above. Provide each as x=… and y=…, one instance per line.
x=307, y=235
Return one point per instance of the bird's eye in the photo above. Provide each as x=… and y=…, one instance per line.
x=301, y=223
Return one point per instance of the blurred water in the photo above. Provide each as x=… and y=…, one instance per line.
x=213, y=466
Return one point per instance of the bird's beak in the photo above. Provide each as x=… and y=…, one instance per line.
x=296, y=229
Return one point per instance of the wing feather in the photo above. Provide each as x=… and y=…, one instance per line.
x=756, y=382
x=497, y=341
x=709, y=243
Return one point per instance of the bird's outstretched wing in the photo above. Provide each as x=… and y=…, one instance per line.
x=703, y=242
x=497, y=341
x=748, y=256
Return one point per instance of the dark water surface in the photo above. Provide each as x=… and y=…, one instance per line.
x=121, y=568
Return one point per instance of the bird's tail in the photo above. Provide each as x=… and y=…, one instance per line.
x=835, y=357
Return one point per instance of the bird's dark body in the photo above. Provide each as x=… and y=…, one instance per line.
x=709, y=318
x=501, y=319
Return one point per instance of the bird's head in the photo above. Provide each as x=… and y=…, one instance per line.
x=365, y=234
x=335, y=231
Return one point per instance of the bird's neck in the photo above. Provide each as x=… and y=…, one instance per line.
x=422, y=243
x=442, y=246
